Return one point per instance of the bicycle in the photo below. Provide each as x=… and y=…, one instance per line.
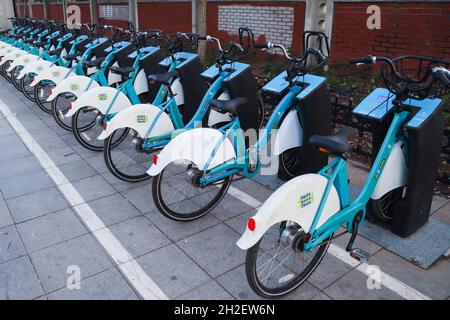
x=208, y=157
x=289, y=235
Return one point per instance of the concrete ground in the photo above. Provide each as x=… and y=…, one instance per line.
x=124, y=249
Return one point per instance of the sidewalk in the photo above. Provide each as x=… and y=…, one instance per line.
x=42, y=233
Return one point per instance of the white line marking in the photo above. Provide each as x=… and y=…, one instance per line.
x=146, y=287
x=393, y=284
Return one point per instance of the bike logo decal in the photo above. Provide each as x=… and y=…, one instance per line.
x=26, y=60
x=142, y=118
x=103, y=97
x=74, y=87
x=39, y=68
x=55, y=74
x=305, y=200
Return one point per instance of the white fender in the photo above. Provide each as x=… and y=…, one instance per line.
x=7, y=50
x=195, y=145
x=55, y=73
x=12, y=55
x=23, y=60
x=35, y=67
x=395, y=173
x=289, y=135
x=100, y=98
x=217, y=117
x=177, y=89
x=4, y=45
x=297, y=200
x=141, y=83
x=75, y=85
x=140, y=117
x=114, y=77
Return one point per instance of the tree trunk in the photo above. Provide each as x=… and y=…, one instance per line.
x=201, y=26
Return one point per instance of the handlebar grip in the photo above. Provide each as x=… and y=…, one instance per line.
x=262, y=46
x=363, y=60
x=442, y=76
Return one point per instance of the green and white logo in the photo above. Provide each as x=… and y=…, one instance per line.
x=56, y=73
x=74, y=87
x=142, y=118
x=305, y=200
x=103, y=97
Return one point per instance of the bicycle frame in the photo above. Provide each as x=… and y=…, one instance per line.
x=336, y=173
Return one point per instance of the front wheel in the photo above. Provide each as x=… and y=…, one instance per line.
x=60, y=106
x=27, y=90
x=14, y=74
x=41, y=93
x=178, y=196
x=276, y=266
x=7, y=74
x=124, y=157
x=290, y=163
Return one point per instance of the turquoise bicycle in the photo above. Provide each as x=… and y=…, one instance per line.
x=290, y=234
x=205, y=157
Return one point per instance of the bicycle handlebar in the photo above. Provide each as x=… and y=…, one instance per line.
x=442, y=74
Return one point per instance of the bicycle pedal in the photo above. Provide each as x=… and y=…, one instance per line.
x=359, y=254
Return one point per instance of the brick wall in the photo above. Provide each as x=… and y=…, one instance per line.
x=406, y=28
x=166, y=16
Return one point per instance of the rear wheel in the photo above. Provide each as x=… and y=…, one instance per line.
x=383, y=208
x=276, y=266
x=14, y=74
x=6, y=73
x=41, y=93
x=27, y=90
x=124, y=158
x=60, y=106
x=177, y=195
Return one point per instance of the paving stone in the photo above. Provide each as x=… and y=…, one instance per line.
x=113, y=209
x=53, y=143
x=328, y=271
x=26, y=183
x=77, y=170
x=214, y=249
x=49, y=230
x=16, y=149
x=19, y=166
x=253, y=189
x=239, y=223
x=51, y=263
x=438, y=202
x=121, y=185
x=141, y=198
x=107, y=285
x=353, y=286
x=5, y=216
x=5, y=129
x=139, y=236
x=443, y=214
x=210, y=291
x=42, y=133
x=236, y=283
x=172, y=270
x=227, y=208
x=434, y=282
x=177, y=230
x=18, y=280
x=62, y=156
x=96, y=161
x=11, y=246
x=93, y=188
x=36, y=204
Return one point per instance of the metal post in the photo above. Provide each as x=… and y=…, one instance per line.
x=46, y=9
x=64, y=5
x=194, y=16
x=94, y=11
x=30, y=8
x=133, y=13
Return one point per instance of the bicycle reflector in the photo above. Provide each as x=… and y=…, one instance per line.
x=70, y=105
x=251, y=224
x=155, y=159
x=104, y=125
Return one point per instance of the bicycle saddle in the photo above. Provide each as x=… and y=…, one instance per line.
x=228, y=106
x=56, y=51
x=94, y=63
x=72, y=57
x=163, y=78
x=124, y=71
x=337, y=143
